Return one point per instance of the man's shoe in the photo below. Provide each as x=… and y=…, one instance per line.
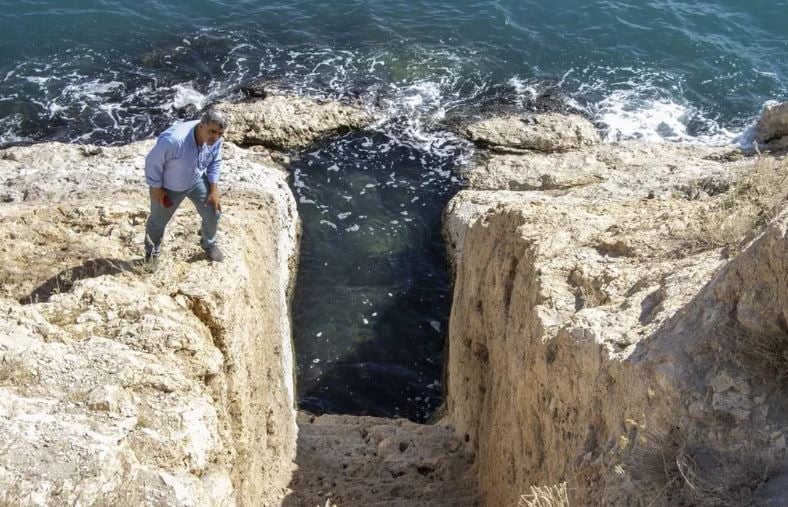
x=151, y=261
x=214, y=253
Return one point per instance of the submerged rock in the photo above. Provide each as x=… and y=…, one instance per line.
x=187, y=112
x=259, y=88
x=546, y=132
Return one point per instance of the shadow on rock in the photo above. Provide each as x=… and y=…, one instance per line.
x=64, y=281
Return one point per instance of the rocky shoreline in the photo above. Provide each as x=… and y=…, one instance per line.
x=610, y=316
x=124, y=387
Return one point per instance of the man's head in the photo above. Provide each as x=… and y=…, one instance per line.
x=212, y=125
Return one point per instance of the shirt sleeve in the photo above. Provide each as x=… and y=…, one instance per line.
x=215, y=167
x=154, y=162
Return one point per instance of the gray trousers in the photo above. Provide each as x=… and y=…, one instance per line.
x=160, y=216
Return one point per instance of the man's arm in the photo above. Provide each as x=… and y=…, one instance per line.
x=213, y=172
x=154, y=169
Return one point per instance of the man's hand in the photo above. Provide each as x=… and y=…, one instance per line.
x=213, y=197
x=158, y=195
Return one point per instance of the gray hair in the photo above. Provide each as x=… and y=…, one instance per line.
x=215, y=117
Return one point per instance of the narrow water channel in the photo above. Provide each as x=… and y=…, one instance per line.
x=372, y=297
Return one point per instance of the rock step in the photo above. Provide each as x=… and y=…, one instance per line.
x=370, y=461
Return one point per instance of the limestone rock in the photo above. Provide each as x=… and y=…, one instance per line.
x=107, y=398
x=287, y=123
x=537, y=172
x=599, y=326
x=615, y=172
x=375, y=461
x=122, y=387
x=546, y=132
x=773, y=123
x=58, y=171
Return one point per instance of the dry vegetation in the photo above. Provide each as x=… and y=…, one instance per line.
x=670, y=469
x=545, y=496
x=762, y=354
x=738, y=215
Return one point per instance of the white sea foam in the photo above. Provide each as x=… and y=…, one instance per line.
x=523, y=90
x=9, y=126
x=411, y=108
x=654, y=120
x=38, y=80
x=330, y=224
x=185, y=94
x=91, y=89
x=626, y=114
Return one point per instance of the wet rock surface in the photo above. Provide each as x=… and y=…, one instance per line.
x=773, y=123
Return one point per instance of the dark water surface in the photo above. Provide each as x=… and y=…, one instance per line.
x=373, y=298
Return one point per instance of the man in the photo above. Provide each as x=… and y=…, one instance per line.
x=186, y=162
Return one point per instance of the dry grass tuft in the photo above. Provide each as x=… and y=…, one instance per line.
x=761, y=353
x=545, y=496
x=14, y=371
x=741, y=213
x=668, y=470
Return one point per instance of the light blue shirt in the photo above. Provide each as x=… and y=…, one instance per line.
x=177, y=163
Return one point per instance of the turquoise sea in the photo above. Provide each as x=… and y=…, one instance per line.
x=112, y=71
x=373, y=295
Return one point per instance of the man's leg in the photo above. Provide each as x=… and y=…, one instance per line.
x=157, y=221
x=210, y=215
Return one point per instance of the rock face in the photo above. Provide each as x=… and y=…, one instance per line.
x=347, y=460
x=620, y=325
x=633, y=171
x=547, y=132
x=286, y=122
x=123, y=387
x=601, y=334
x=773, y=123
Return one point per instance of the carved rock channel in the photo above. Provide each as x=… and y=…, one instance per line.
x=614, y=334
